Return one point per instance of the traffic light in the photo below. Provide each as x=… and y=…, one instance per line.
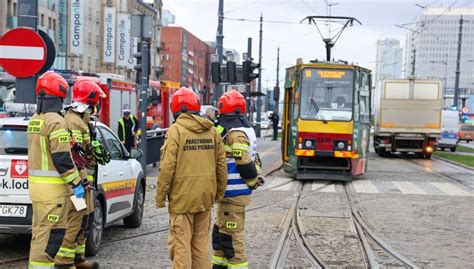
x=231, y=72
x=276, y=93
x=248, y=66
x=216, y=72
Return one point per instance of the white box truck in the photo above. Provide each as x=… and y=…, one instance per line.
x=407, y=116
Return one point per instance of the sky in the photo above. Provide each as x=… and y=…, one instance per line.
x=357, y=44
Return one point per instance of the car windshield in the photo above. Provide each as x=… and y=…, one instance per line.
x=329, y=91
x=13, y=140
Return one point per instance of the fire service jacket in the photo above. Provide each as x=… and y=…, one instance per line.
x=242, y=165
x=49, y=157
x=193, y=169
x=80, y=134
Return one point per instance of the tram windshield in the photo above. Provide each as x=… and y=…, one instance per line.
x=326, y=94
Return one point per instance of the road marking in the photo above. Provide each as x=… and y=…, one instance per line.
x=408, y=187
x=323, y=187
x=450, y=189
x=364, y=186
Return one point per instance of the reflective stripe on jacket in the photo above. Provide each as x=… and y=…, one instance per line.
x=122, y=124
x=236, y=185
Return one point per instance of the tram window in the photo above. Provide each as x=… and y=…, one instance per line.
x=330, y=91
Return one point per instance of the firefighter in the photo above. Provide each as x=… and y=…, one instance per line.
x=192, y=176
x=86, y=95
x=128, y=129
x=244, y=175
x=53, y=177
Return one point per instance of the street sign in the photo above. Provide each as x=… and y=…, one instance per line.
x=50, y=51
x=22, y=52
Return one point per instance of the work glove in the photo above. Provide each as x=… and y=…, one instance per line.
x=101, y=155
x=78, y=191
x=260, y=180
x=88, y=185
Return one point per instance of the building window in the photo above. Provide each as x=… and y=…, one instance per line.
x=15, y=10
x=50, y=24
x=42, y=20
x=54, y=24
x=9, y=7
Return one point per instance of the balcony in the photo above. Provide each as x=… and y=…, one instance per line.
x=12, y=22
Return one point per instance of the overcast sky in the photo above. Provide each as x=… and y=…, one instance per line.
x=357, y=44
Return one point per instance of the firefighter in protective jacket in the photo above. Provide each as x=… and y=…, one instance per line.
x=244, y=175
x=192, y=177
x=53, y=177
x=86, y=95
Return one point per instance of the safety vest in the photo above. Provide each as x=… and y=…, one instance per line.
x=123, y=124
x=235, y=183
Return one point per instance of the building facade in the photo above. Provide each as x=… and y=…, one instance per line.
x=431, y=49
x=167, y=18
x=93, y=36
x=186, y=59
x=389, y=60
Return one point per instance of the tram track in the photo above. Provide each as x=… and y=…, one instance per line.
x=292, y=233
x=374, y=251
x=430, y=170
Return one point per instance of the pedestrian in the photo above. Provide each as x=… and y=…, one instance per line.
x=128, y=129
x=53, y=177
x=86, y=95
x=244, y=175
x=193, y=176
x=275, y=120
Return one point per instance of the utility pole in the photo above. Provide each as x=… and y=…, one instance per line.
x=247, y=97
x=27, y=17
x=458, y=65
x=259, y=98
x=220, y=46
x=413, y=62
x=277, y=79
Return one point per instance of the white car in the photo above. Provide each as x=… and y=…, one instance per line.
x=120, y=184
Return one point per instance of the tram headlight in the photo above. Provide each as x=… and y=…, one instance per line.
x=341, y=145
x=309, y=143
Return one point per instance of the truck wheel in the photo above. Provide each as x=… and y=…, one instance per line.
x=383, y=153
x=453, y=149
x=94, y=238
x=135, y=220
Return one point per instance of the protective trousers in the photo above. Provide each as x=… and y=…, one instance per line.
x=74, y=243
x=188, y=240
x=49, y=226
x=228, y=240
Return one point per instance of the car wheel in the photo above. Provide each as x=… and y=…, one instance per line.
x=94, y=238
x=135, y=220
x=453, y=149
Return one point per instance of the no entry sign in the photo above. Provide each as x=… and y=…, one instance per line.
x=22, y=52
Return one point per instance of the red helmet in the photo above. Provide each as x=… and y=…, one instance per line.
x=232, y=102
x=52, y=84
x=185, y=100
x=87, y=92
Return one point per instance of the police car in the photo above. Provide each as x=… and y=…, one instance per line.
x=120, y=184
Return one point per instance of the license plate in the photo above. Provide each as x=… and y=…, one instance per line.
x=17, y=211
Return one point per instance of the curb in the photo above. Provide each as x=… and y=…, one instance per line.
x=452, y=162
